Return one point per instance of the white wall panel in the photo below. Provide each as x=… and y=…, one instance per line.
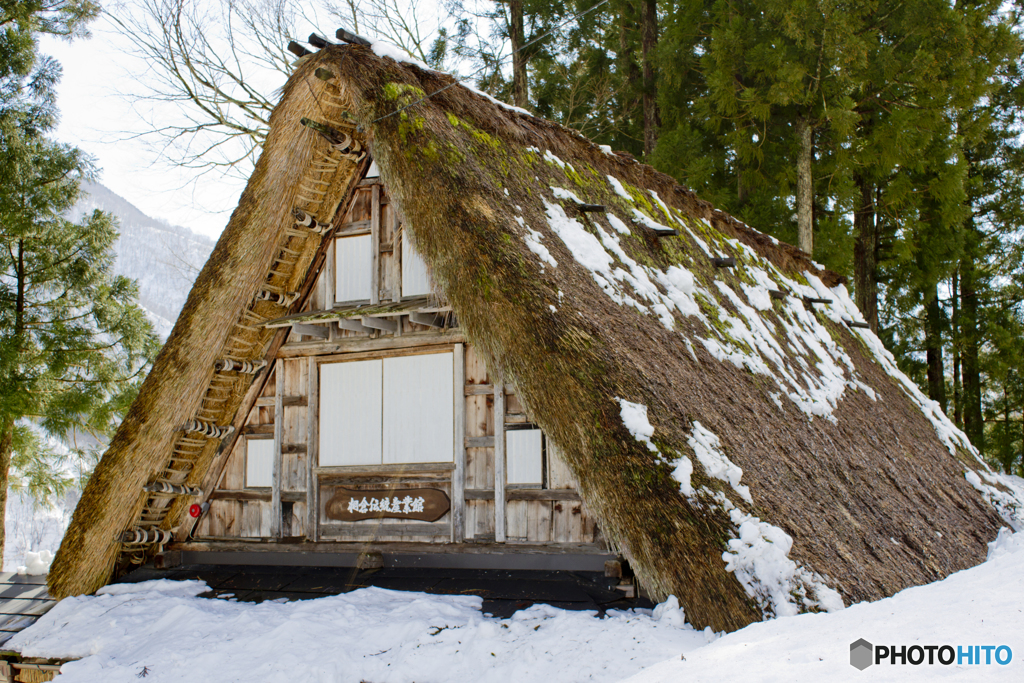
x=259, y=463
x=352, y=268
x=350, y=416
x=524, y=463
x=415, y=281
x=418, y=408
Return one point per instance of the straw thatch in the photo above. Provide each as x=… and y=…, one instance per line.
x=874, y=499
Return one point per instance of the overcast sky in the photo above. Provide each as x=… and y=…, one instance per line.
x=96, y=117
x=99, y=115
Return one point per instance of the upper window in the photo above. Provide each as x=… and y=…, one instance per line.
x=415, y=280
x=352, y=268
x=387, y=411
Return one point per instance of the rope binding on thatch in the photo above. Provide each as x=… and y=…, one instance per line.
x=245, y=367
x=285, y=299
x=208, y=429
x=724, y=262
x=145, y=537
x=307, y=221
x=166, y=487
x=349, y=147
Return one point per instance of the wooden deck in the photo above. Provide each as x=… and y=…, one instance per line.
x=23, y=599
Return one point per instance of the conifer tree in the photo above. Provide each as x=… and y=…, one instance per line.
x=73, y=341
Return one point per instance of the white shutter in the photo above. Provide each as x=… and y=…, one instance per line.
x=418, y=408
x=523, y=461
x=415, y=281
x=352, y=268
x=350, y=418
x=259, y=463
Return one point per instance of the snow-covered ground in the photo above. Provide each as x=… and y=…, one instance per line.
x=159, y=630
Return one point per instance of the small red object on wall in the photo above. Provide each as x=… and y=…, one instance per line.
x=195, y=510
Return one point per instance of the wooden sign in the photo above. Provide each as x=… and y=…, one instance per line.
x=352, y=505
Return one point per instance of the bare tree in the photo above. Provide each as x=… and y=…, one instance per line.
x=223, y=62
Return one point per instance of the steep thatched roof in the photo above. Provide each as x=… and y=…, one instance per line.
x=704, y=410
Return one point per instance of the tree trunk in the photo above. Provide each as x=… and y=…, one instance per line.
x=958, y=407
x=865, y=272
x=974, y=425
x=805, y=186
x=649, y=43
x=517, y=34
x=6, y=450
x=933, y=348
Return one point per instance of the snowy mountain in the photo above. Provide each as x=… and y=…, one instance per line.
x=163, y=258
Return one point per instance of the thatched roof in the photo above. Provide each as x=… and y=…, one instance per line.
x=769, y=414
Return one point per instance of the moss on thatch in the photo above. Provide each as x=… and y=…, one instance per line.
x=873, y=498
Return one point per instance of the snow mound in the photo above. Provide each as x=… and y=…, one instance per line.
x=36, y=563
x=978, y=606
x=370, y=634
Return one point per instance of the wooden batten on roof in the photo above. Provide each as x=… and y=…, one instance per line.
x=474, y=183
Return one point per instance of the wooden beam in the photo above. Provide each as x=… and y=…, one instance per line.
x=487, y=389
x=368, y=345
x=524, y=494
x=480, y=441
x=353, y=325
x=405, y=468
x=383, y=529
x=287, y=401
x=275, y=470
x=382, y=324
x=458, y=474
x=330, y=264
x=293, y=448
x=374, y=245
x=257, y=430
x=499, y=463
x=264, y=495
x=318, y=331
x=396, y=256
x=355, y=228
x=428, y=319
x=312, y=448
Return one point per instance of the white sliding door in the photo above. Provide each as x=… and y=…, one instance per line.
x=415, y=280
x=524, y=462
x=418, y=409
x=350, y=413
x=352, y=266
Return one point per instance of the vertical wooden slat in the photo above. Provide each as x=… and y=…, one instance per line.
x=499, y=461
x=328, y=275
x=459, y=430
x=396, y=255
x=275, y=491
x=375, y=245
x=312, y=447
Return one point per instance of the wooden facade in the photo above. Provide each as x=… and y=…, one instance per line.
x=384, y=402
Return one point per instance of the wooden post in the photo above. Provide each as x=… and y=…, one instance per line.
x=375, y=244
x=458, y=474
x=312, y=450
x=396, y=255
x=499, y=460
x=275, y=471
